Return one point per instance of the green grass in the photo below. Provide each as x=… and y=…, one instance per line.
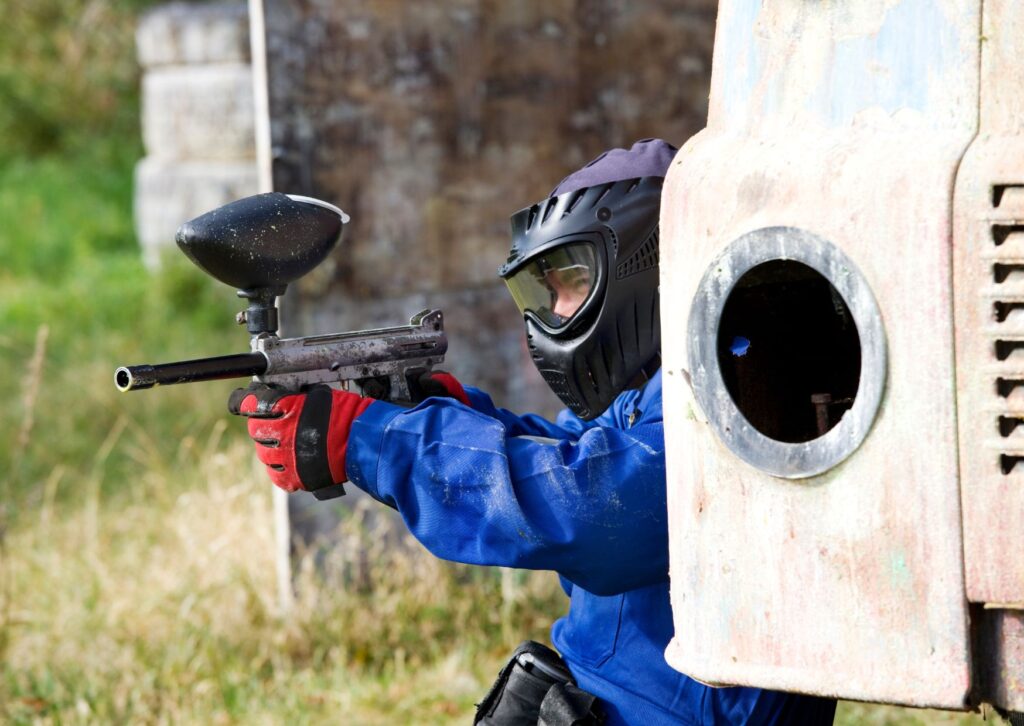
x=76, y=301
x=869, y=714
x=68, y=76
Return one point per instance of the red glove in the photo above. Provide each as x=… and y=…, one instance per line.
x=441, y=384
x=301, y=437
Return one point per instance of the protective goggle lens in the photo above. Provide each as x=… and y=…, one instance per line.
x=554, y=285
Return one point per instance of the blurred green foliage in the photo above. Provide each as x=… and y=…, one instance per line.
x=67, y=74
x=75, y=299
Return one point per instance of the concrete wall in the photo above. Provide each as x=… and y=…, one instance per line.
x=431, y=123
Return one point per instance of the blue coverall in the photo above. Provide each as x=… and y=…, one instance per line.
x=585, y=499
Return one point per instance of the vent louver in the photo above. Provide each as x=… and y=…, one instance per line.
x=1005, y=296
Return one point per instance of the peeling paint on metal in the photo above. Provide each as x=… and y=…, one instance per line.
x=821, y=120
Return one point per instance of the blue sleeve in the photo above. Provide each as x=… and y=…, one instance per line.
x=568, y=426
x=591, y=508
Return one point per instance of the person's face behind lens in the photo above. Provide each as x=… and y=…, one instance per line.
x=569, y=289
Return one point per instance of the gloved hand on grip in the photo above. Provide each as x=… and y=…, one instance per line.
x=301, y=437
x=441, y=384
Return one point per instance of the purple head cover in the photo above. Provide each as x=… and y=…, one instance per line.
x=648, y=157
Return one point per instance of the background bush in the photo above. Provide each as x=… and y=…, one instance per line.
x=67, y=74
x=75, y=300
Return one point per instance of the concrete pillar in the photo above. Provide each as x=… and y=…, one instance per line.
x=197, y=117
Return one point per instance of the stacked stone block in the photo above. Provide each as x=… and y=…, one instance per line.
x=197, y=117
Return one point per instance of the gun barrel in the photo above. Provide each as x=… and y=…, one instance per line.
x=134, y=378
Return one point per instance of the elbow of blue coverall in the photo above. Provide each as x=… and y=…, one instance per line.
x=592, y=509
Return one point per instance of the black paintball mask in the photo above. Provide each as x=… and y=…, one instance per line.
x=583, y=271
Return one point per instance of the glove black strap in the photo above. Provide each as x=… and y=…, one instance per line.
x=311, y=460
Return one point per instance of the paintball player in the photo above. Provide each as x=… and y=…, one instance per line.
x=583, y=496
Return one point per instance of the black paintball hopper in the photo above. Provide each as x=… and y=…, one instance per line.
x=263, y=241
x=260, y=244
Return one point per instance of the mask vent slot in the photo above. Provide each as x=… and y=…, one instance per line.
x=559, y=384
x=604, y=192
x=643, y=259
x=549, y=207
x=531, y=217
x=573, y=201
x=534, y=353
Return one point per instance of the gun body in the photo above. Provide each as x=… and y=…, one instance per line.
x=382, y=360
x=260, y=245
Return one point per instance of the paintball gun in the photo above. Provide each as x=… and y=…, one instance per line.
x=259, y=245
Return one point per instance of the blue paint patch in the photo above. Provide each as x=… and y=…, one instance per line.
x=742, y=54
x=898, y=570
x=739, y=346
x=897, y=68
x=920, y=59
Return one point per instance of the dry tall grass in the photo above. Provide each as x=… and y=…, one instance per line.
x=163, y=609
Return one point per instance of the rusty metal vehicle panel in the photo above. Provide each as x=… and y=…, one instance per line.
x=988, y=253
x=988, y=284
x=810, y=388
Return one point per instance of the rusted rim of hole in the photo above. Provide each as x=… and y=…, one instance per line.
x=779, y=458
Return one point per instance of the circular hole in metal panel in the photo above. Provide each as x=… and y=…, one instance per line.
x=787, y=351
